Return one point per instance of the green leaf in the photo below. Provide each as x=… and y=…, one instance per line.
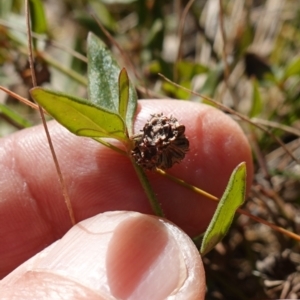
x=257, y=105
x=176, y=92
x=103, y=76
x=123, y=93
x=231, y=200
x=79, y=116
x=155, y=34
x=38, y=17
x=293, y=68
x=161, y=66
x=187, y=70
x=5, y=8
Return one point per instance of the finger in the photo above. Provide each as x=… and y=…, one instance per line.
x=115, y=255
x=33, y=211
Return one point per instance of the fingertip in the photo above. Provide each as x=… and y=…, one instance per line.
x=217, y=146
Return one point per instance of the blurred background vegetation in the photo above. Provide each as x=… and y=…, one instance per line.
x=244, y=54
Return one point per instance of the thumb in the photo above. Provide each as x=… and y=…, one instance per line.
x=115, y=255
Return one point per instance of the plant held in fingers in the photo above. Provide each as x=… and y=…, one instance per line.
x=109, y=113
x=161, y=143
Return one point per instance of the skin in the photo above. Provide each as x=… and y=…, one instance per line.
x=122, y=254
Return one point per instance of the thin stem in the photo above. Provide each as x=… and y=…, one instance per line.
x=142, y=177
x=110, y=146
x=273, y=226
x=116, y=44
x=34, y=83
x=180, y=35
x=148, y=189
x=276, y=125
x=18, y=97
x=239, y=210
x=224, y=52
x=189, y=186
x=224, y=55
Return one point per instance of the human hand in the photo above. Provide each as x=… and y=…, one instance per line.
x=114, y=255
x=33, y=213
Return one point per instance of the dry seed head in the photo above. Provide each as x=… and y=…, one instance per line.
x=161, y=143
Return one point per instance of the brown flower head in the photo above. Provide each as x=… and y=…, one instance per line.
x=161, y=143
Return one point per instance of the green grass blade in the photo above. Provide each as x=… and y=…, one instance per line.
x=257, y=105
x=293, y=68
x=14, y=117
x=38, y=16
x=79, y=116
x=231, y=200
x=214, y=77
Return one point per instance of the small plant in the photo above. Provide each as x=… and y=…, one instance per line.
x=109, y=113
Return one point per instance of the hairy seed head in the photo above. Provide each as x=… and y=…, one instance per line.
x=161, y=143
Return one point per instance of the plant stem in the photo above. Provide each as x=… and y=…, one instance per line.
x=271, y=225
x=239, y=210
x=148, y=189
x=189, y=186
x=110, y=146
x=34, y=84
x=143, y=180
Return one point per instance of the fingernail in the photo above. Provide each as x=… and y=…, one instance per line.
x=143, y=261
